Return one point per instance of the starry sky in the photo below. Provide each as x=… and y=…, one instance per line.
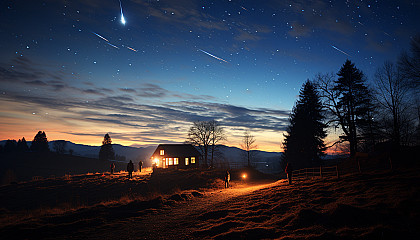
x=74, y=70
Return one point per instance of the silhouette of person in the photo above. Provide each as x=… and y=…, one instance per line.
x=112, y=168
x=289, y=171
x=140, y=165
x=227, y=178
x=130, y=169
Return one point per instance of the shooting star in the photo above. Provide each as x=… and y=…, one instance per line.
x=132, y=49
x=211, y=55
x=112, y=45
x=340, y=50
x=382, y=31
x=122, y=15
x=100, y=36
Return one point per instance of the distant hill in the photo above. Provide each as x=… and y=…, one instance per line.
x=264, y=161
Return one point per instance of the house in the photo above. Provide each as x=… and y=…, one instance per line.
x=176, y=156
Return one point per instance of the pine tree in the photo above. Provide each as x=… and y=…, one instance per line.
x=22, y=146
x=303, y=143
x=106, y=152
x=354, y=103
x=40, y=143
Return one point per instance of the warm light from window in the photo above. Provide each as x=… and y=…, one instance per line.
x=186, y=161
x=162, y=152
x=192, y=159
x=156, y=162
x=176, y=161
x=171, y=161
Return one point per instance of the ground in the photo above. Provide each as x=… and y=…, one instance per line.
x=374, y=205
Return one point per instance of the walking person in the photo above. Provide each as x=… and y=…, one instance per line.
x=140, y=165
x=227, y=179
x=130, y=169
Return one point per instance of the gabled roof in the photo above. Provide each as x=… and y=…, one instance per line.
x=177, y=150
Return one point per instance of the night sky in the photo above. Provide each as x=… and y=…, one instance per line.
x=74, y=70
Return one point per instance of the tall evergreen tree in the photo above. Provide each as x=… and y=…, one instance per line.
x=22, y=145
x=303, y=144
x=40, y=143
x=354, y=103
x=106, y=152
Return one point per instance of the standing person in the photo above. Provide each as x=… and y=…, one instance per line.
x=227, y=178
x=112, y=168
x=140, y=165
x=130, y=169
x=289, y=170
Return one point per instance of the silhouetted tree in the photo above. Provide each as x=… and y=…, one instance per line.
x=10, y=146
x=106, y=152
x=205, y=135
x=217, y=135
x=248, y=144
x=392, y=91
x=40, y=143
x=409, y=66
x=60, y=146
x=22, y=145
x=349, y=102
x=303, y=144
x=409, y=63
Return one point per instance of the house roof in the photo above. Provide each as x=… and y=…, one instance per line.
x=177, y=150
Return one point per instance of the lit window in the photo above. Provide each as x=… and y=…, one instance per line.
x=162, y=152
x=192, y=160
x=186, y=161
x=171, y=161
x=167, y=161
x=176, y=161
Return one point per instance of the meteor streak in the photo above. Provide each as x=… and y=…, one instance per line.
x=340, y=50
x=122, y=15
x=132, y=49
x=211, y=55
x=112, y=45
x=100, y=36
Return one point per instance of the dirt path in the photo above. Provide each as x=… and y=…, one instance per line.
x=179, y=221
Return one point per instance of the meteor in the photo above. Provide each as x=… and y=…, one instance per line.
x=340, y=50
x=211, y=55
x=132, y=49
x=100, y=36
x=112, y=45
x=122, y=15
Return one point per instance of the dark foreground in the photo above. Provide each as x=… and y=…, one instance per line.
x=376, y=205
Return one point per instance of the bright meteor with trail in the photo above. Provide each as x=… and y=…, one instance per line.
x=211, y=55
x=122, y=15
x=340, y=50
x=100, y=36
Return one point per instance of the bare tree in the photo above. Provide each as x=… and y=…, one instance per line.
x=59, y=146
x=205, y=135
x=200, y=135
x=391, y=93
x=409, y=63
x=217, y=135
x=248, y=144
